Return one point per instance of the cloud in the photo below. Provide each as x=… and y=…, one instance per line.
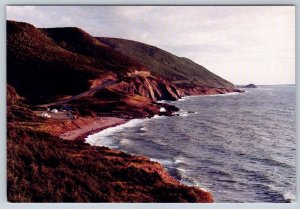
x=239, y=43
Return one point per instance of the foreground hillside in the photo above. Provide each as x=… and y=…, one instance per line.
x=45, y=168
x=91, y=83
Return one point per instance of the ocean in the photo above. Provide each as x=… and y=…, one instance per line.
x=239, y=146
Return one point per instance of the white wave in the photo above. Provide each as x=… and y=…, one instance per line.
x=179, y=160
x=162, y=161
x=184, y=171
x=289, y=196
x=257, y=89
x=185, y=98
x=125, y=141
x=183, y=113
x=143, y=129
x=104, y=137
x=101, y=137
x=223, y=95
x=162, y=101
x=283, y=110
x=197, y=184
x=158, y=116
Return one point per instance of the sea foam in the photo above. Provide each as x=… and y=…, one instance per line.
x=103, y=138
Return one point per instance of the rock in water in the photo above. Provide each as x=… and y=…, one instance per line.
x=251, y=85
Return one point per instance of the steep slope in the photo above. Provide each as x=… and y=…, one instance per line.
x=78, y=41
x=39, y=67
x=47, y=65
x=181, y=71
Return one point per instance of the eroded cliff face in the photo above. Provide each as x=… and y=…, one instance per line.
x=144, y=84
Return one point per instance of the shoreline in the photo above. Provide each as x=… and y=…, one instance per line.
x=99, y=128
x=84, y=135
x=98, y=125
x=94, y=126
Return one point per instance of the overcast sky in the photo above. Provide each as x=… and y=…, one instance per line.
x=243, y=44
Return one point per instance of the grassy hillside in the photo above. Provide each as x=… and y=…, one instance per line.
x=181, y=71
x=46, y=64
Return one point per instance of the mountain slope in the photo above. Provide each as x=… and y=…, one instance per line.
x=46, y=65
x=181, y=71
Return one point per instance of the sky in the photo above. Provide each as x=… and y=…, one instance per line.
x=243, y=44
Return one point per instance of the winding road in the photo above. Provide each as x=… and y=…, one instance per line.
x=86, y=93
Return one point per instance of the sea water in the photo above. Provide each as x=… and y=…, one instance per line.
x=240, y=146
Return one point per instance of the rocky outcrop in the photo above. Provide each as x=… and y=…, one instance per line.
x=251, y=85
x=148, y=86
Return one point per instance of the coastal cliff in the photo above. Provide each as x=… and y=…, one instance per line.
x=91, y=83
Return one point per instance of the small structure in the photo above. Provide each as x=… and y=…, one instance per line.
x=46, y=115
x=54, y=111
x=162, y=109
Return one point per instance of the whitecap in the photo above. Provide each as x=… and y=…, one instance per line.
x=158, y=116
x=183, y=113
x=183, y=99
x=182, y=170
x=143, y=129
x=290, y=197
x=103, y=138
x=125, y=141
x=162, y=161
x=179, y=160
x=162, y=101
x=205, y=189
x=224, y=95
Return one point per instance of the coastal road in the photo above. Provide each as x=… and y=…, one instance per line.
x=90, y=91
